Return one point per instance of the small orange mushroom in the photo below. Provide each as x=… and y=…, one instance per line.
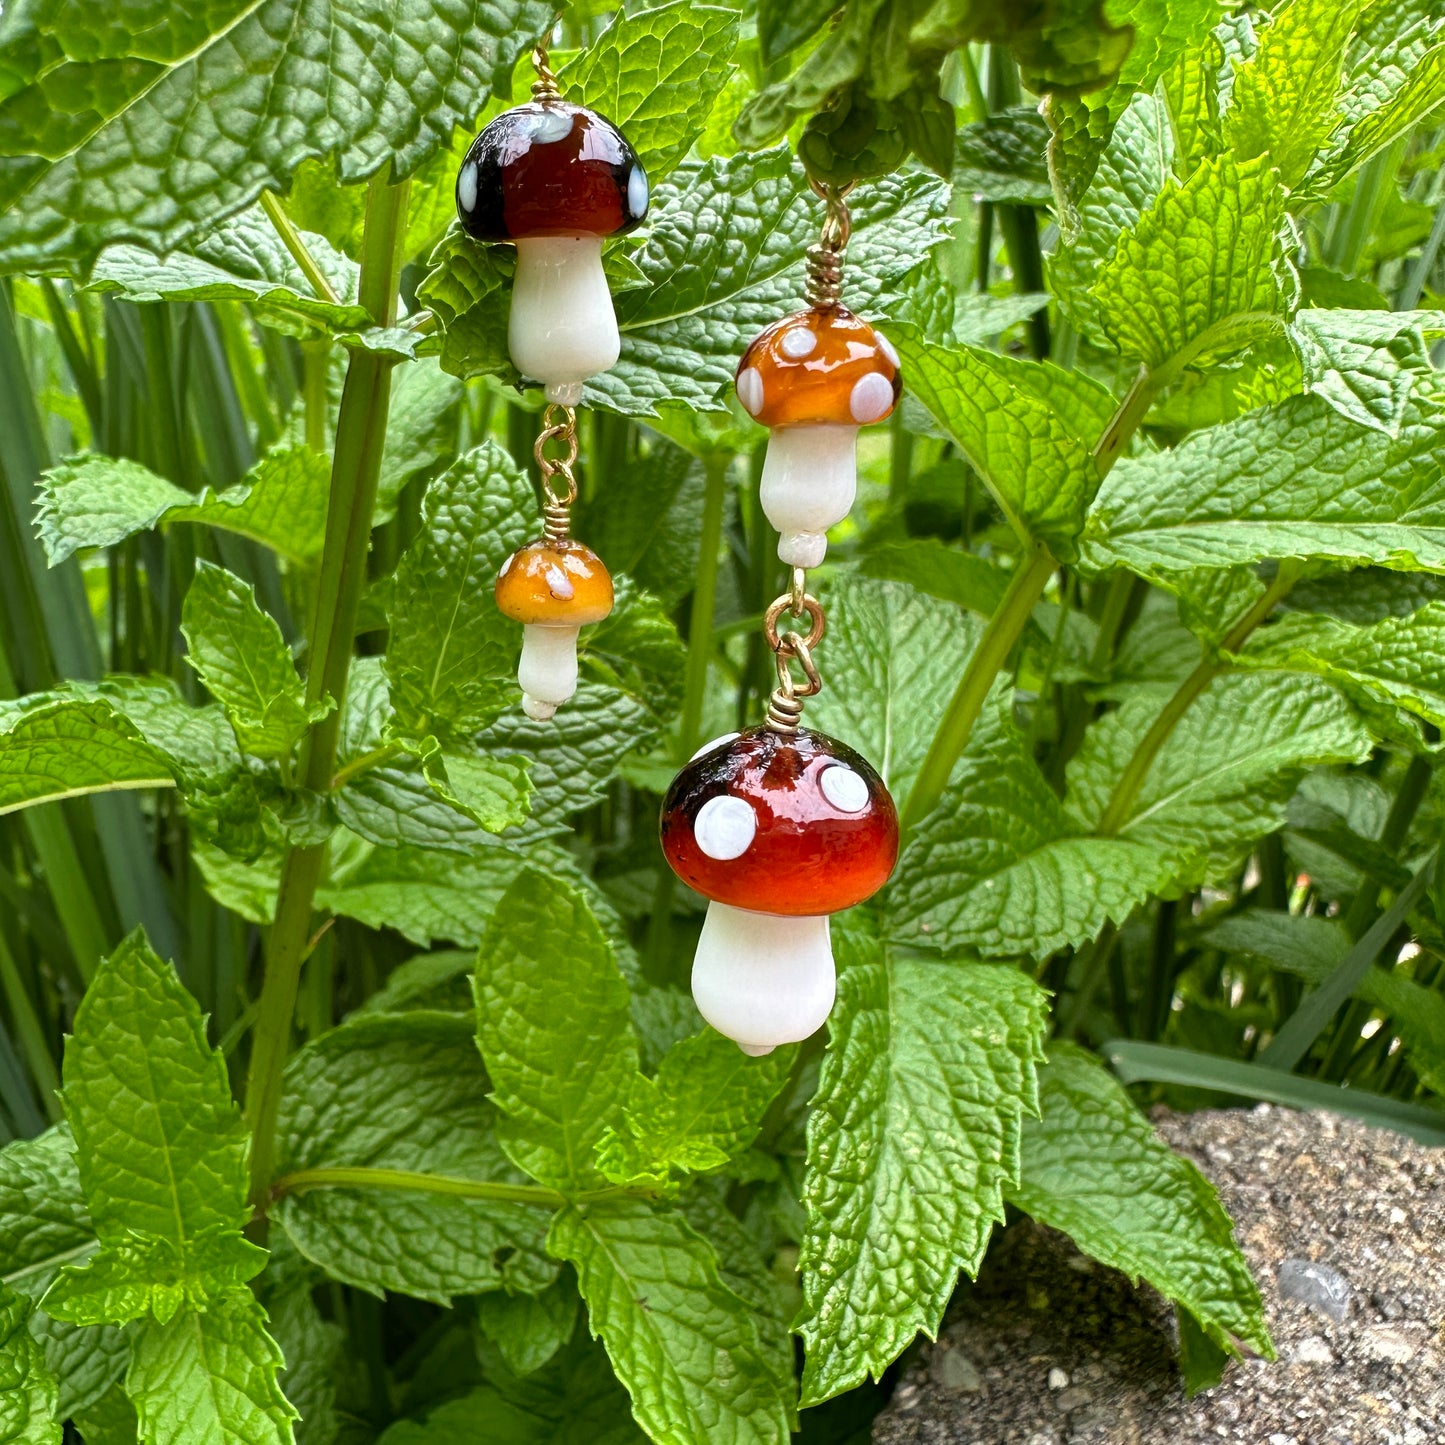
x=553, y=588
x=814, y=378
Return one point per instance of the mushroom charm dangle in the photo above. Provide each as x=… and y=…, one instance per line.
x=779, y=827
x=554, y=180
x=813, y=379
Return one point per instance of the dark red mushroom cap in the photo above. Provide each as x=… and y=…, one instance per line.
x=550, y=169
x=792, y=825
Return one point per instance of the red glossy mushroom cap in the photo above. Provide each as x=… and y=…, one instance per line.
x=818, y=367
x=550, y=169
x=793, y=825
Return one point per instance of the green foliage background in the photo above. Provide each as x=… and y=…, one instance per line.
x=1138, y=612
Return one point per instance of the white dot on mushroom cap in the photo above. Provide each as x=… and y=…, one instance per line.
x=559, y=584
x=750, y=389
x=871, y=398
x=844, y=789
x=886, y=347
x=798, y=342
x=637, y=192
x=507, y=565
x=725, y=827
x=551, y=125
x=467, y=186
x=715, y=743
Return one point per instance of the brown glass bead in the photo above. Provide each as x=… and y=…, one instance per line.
x=550, y=169
x=808, y=854
x=821, y=366
x=563, y=583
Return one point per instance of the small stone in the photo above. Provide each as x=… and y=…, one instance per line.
x=1281, y=1439
x=953, y=1370
x=1398, y=1215
x=1389, y=1305
x=1074, y=1398
x=1313, y=1351
x=1317, y=1285
x=1058, y=1379
x=906, y=1397
x=1387, y=1346
x=1043, y=1437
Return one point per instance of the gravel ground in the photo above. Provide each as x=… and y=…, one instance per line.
x=1344, y=1227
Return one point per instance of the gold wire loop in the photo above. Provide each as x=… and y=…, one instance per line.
x=544, y=88
x=558, y=500
x=825, y=256
x=808, y=606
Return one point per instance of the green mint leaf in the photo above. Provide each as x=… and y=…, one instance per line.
x=554, y=1030
x=29, y=1399
x=656, y=75
x=1004, y=158
x=529, y=1329
x=210, y=1378
x=685, y=1346
x=144, y=1275
x=245, y=663
x=702, y=1109
x=313, y=1346
x=1037, y=469
x=783, y=25
x=1225, y=774
x=1129, y=177
x=1365, y=363
x=1395, y=76
x=938, y=570
x=421, y=427
x=451, y=655
x=1093, y=1168
x=159, y=1142
x=96, y=501
x=494, y=792
x=723, y=259
x=913, y=1137
x=1283, y=102
x=45, y=1225
x=148, y=158
x=1203, y=271
x=110, y=1420
x=888, y=693
x=65, y=749
x=1002, y=868
x=403, y=1092
x=243, y=260
x=1294, y=480
x=1399, y=660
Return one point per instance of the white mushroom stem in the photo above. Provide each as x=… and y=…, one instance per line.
x=809, y=480
x=563, y=328
x=763, y=979
x=547, y=672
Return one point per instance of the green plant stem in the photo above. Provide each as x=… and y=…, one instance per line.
x=365, y=763
x=314, y=401
x=365, y=1178
x=704, y=602
x=32, y=1036
x=1116, y=812
x=1003, y=630
x=291, y=239
x=355, y=468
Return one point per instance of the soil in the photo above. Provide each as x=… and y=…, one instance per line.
x=1344, y=1227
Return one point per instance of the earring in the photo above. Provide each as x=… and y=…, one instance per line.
x=554, y=180
x=780, y=827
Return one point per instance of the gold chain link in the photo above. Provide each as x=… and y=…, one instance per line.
x=556, y=509
x=785, y=706
x=825, y=256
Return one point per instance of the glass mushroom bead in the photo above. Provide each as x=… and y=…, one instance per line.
x=555, y=180
x=814, y=378
x=553, y=589
x=779, y=833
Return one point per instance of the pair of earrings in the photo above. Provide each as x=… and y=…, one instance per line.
x=779, y=826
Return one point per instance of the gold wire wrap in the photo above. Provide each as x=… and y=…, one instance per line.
x=785, y=706
x=544, y=88
x=825, y=256
x=557, y=508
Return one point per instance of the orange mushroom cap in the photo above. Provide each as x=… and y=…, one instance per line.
x=819, y=366
x=562, y=584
